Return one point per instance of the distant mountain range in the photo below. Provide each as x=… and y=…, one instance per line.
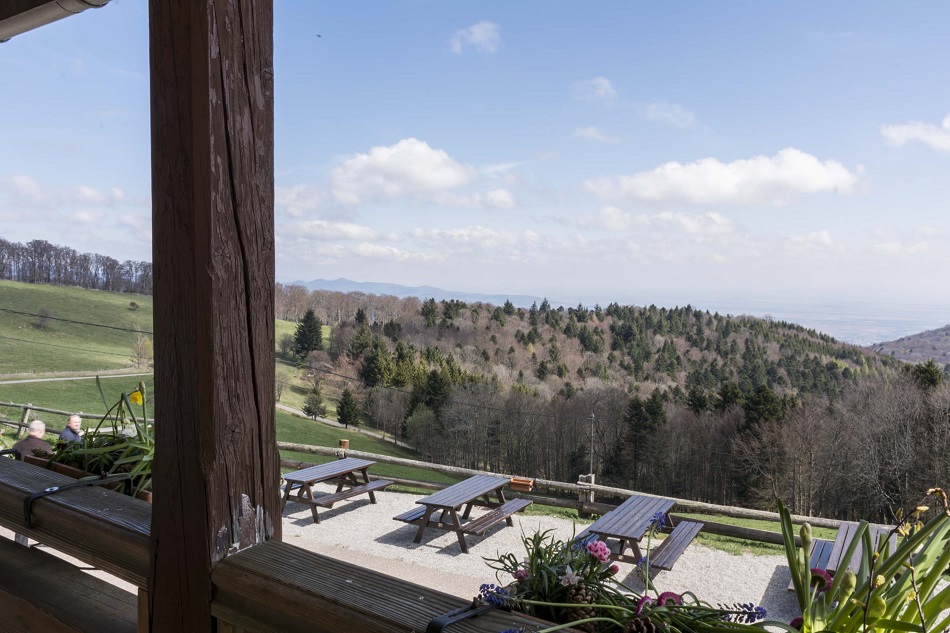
x=918, y=348
x=422, y=292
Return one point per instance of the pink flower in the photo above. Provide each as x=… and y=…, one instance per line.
x=797, y=623
x=614, y=569
x=520, y=574
x=599, y=550
x=668, y=597
x=643, y=602
x=820, y=579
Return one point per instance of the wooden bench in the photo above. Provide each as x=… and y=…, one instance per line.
x=820, y=555
x=481, y=524
x=667, y=552
x=327, y=501
x=411, y=516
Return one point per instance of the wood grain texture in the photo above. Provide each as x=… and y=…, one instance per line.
x=43, y=593
x=277, y=587
x=215, y=471
x=101, y=527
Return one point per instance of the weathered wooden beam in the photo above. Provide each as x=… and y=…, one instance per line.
x=20, y=16
x=44, y=593
x=277, y=587
x=215, y=473
x=98, y=526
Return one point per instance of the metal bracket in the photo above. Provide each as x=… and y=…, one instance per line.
x=473, y=610
x=82, y=483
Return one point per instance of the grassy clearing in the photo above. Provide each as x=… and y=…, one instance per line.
x=741, y=546
x=70, y=395
x=57, y=346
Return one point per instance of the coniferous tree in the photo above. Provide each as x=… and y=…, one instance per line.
x=313, y=406
x=348, y=410
x=309, y=335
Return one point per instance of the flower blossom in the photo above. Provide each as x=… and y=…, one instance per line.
x=658, y=520
x=668, y=597
x=614, y=569
x=599, y=550
x=520, y=574
x=820, y=579
x=569, y=577
x=642, y=603
x=135, y=397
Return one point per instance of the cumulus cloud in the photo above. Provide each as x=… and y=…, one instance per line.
x=409, y=169
x=298, y=200
x=484, y=37
x=596, y=89
x=611, y=218
x=595, y=134
x=670, y=113
x=391, y=254
x=901, y=248
x=935, y=137
x=814, y=242
x=325, y=230
x=24, y=191
x=760, y=180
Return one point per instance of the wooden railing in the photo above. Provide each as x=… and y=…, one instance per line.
x=270, y=587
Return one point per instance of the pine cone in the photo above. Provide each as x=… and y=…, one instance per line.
x=640, y=625
x=579, y=595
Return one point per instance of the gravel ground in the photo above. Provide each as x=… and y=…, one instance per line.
x=365, y=534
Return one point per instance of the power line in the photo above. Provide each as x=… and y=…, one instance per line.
x=78, y=349
x=52, y=318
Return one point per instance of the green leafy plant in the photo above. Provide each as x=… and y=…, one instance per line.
x=892, y=590
x=573, y=584
x=122, y=442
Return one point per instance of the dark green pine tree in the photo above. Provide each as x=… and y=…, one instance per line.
x=309, y=335
x=348, y=410
x=313, y=406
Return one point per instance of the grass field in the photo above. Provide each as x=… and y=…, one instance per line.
x=58, y=346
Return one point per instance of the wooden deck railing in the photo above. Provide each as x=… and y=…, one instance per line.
x=270, y=587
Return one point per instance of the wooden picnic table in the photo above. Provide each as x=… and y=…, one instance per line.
x=477, y=490
x=343, y=472
x=629, y=522
x=829, y=555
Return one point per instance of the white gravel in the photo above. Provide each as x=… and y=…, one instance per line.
x=365, y=534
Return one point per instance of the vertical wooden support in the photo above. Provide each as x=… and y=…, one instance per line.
x=24, y=421
x=216, y=466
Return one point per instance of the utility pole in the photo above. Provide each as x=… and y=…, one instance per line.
x=593, y=417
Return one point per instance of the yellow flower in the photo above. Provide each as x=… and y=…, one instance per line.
x=135, y=397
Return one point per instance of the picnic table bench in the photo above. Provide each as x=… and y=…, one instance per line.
x=629, y=522
x=343, y=472
x=829, y=555
x=474, y=491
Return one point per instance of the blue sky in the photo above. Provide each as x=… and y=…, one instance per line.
x=634, y=152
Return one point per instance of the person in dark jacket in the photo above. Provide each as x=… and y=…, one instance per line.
x=71, y=432
x=34, y=441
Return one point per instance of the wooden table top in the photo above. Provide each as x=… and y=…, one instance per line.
x=631, y=519
x=465, y=491
x=321, y=472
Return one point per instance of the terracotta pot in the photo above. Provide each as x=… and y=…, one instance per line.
x=522, y=484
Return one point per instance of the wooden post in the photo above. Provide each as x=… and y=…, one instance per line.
x=215, y=472
x=24, y=421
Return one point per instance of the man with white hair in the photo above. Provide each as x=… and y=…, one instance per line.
x=33, y=442
x=71, y=432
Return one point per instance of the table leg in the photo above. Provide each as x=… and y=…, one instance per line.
x=313, y=508
x=458, y=532
x=423, y=525
x=372, y=494
x=283, y=503
x=501, y=500
x=468, y=510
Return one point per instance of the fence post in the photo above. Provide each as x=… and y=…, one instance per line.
x=586, y=495
x=24, y=421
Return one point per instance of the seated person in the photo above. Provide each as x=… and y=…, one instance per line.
x=34, y=441
x=71, y=432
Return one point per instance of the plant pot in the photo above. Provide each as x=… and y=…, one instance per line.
x=78, y=473
x=522, y=484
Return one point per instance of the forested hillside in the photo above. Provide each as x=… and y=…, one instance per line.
x=920, y=347
x=674, y=401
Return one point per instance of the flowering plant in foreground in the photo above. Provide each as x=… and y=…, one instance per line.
x=574, y=584
x=896, y=590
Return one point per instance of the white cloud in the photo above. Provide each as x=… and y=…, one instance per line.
x=596, y=89
x=299, y=199
x=901, y=248
x=485, y=37
x=814, y=242
x=325, y=230
x=759, y=180
x=937, y=138
x=26, y=192
x=612, y=218
x=391, y=254
x=699, y=224
x=86, y=216
x=595, y=133
x=410, y=169
x=670, y=113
